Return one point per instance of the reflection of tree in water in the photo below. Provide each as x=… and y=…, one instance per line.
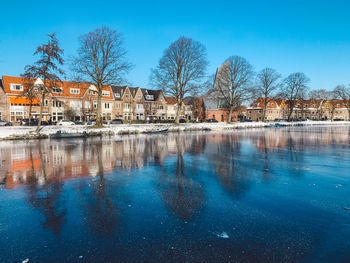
x=101, y=213
x=230, y=168
x=183, y=195
x=46, y=197
x=295, y=154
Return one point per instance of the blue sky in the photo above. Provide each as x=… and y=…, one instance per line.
x=308, y=36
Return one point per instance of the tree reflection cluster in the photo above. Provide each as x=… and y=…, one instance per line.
x=235, y=158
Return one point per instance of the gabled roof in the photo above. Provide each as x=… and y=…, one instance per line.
x=155, y=94
x=118, y=90
x=65, y=85
x=259, y=104
x=133, y=91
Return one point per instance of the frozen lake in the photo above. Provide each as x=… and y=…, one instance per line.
x=261, y=195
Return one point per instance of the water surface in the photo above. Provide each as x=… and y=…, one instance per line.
x=260, y=195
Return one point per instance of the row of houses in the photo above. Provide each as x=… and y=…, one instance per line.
x=277, y=109
x=122, y=102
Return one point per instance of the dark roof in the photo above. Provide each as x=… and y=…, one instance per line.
x=153, y=92
x=1, y=86
x=133, y=91
x=118, y=90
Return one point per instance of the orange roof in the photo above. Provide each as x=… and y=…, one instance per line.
x=25, y=101
x=65, y=85
x=259, y=103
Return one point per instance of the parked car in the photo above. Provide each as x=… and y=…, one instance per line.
x=212, y=120
x=5, y=123
x=65, y=123
x=246, y=120
x=33, y=122
x=90, y=122
x=182, y=121
x=116, y=121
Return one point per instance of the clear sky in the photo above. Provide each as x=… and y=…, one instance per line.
x=308, y=36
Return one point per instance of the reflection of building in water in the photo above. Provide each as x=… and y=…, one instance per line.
x=52, y=160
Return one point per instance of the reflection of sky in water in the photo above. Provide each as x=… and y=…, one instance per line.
x=264, y=195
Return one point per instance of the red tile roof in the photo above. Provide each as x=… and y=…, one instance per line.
x=65, y=85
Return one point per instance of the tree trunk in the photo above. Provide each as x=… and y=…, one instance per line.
x=99, y=107
x=30, y=113
x=178, y=109
x=264, y=113
x=229, y=120
x=290, y=113
x=41, y=111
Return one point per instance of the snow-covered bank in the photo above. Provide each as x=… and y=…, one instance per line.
x=20, y=132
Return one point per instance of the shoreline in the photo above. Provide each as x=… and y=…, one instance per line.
x=28, y=133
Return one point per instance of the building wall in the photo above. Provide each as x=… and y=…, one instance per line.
x=221, y=115
x=4, y=109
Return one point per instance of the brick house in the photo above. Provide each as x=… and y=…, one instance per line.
x=306, y=109
x=80, y=98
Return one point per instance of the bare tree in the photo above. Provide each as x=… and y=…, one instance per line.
x=331, y=103
x=267, y=84
x=302, y=97
x=180, y=70
x=318, y=98
x=292, y=87
x=30, y=92
x=343, y=92
x=233, y=82
x=47, y=69
x=101, y=60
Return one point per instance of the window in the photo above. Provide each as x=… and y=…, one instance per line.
x=149, y=97
x=0, y=116
x=17, y=116
x=117, y=105
x=92, y=92
x=95, y=104
x=127, y=106
x=87, y=105
x=170, y=107
x=127, y=96
x=107, y=106
x=160, y=107
x=57, y=90
x=46, y=103
x=139, y=96
x=74, y=91
x=56, y=104
x=117, y=95
x=16, y=87
x=139, y=106
x=105, y=93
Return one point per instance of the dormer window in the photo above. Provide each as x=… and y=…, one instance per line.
x=92, y=92
x=105, y=93
x=57, y=90
x=16, y=87
x=74, y=91
x=117, y=95
x=149, y=97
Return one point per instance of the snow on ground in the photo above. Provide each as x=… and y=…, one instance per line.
x=6, y=132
